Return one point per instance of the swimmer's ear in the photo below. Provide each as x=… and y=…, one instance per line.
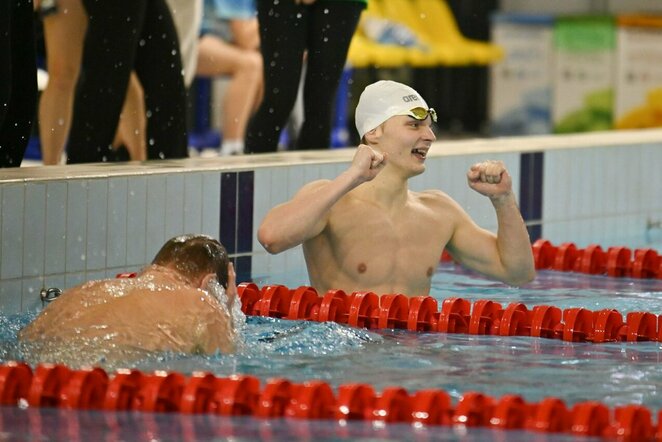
x=205, y=280
x=372, y=137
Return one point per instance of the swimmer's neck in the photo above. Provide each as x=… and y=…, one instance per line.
x=165, y=273
x=385, y=191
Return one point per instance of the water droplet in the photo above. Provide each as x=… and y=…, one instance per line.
x=142, y=42
x=82, y=257
x=326, y=11
x=151, y=141
x=299, y=15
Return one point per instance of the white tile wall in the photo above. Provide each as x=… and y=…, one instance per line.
x=30, y=298
x=13, y=205
x=192, y=209
x=156, y=214
x=211, y=203
x=76, y=233
x=174, y=206
x=601, y=195
x=10, y=296
x=97, y=224
x=34, y=229
x=117, y=222
x=136, y=221
x=56, y=227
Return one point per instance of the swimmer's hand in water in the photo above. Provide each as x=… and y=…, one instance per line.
x=490, y=178
x=367, y=163
x=232, y=286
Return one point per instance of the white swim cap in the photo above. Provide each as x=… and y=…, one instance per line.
x=383, y=100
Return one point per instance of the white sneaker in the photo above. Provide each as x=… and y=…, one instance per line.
x=209, y=152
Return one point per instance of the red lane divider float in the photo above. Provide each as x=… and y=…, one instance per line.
x=457, y=315
x=594, y=260
x=58, y=386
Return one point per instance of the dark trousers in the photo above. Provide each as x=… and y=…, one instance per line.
x=123, y=35
x=18, y=79
x=323, y=29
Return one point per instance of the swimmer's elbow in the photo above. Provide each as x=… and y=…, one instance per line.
x=522, y=279
x=269, y=240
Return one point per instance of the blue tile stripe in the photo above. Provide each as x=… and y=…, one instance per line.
x=531, y=183
x=236, y=219
x=228, y=215
x=245, y=225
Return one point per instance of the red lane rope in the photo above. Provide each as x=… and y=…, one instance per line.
x=619, y=262
x=457, y=315
x=614, y=261
x=52, y=385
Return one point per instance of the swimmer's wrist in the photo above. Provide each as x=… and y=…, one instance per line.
x=503, y=199
x=351, y=178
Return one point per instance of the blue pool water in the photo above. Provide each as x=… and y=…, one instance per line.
x=615, y=374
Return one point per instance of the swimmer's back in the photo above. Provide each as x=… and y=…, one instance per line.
x=148, y=314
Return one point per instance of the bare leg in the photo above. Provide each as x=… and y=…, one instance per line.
x=131, y=129
x=216, y=57
x=64, y=33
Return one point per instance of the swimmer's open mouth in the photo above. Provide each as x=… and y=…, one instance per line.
x=420, y=152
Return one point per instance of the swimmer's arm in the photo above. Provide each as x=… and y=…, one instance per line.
x=506, y=256
x=306, y=215
x=218, y=334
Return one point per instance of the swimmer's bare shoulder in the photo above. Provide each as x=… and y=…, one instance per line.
x=191, y=312
x=312, y=186
x=438, y=200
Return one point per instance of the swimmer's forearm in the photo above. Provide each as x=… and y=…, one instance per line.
x=290, y=224
x=513, y=243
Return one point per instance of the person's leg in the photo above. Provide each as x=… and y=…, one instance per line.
x=64, y=33
x=114, y=28
x=159, y=68
x=332, y=26
x=216, y=57
x=283, y=28
x=132, y=127
x=18, y=80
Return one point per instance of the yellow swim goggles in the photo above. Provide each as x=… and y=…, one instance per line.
x=421, y=113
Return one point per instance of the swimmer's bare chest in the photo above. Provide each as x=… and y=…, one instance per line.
x=377, y=252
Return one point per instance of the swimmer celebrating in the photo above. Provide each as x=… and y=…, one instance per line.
x=184, y=302
x=365, y=230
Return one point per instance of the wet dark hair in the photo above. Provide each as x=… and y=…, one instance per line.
x=194, y=256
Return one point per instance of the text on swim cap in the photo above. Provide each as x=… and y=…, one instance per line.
x=408, y=98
